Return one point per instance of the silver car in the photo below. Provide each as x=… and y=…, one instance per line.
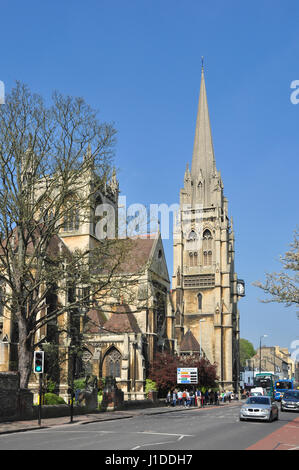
x=262, y=408
x=290, y=401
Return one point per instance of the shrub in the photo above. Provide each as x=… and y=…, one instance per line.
x=53, y=399
x=150, y=385
x=79, y=384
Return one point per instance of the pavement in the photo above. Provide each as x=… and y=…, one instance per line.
x=29, y=425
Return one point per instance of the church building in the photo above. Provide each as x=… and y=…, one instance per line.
x=205, y=285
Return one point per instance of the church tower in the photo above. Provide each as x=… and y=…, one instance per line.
x=204, y=280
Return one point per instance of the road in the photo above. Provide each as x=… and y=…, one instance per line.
x=216, y=428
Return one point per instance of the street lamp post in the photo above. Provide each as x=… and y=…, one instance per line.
x=264, y=336
x=200, y=321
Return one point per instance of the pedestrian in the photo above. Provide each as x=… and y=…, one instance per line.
x=198, y=398
x=207, y=397
x=180, y=397
x=191, y=398
x=184, y=397
x=174, y=397
x=216, y=398
x=187, y=402
x=168, y=398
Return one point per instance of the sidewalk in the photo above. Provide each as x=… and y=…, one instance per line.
x=30, y=425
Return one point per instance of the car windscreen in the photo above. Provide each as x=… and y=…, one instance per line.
x=258, y=401
x=294, y=395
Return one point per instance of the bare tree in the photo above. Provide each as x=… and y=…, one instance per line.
x=54, y=162
x=283, y=287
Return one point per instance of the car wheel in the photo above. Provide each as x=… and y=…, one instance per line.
x=281, y=408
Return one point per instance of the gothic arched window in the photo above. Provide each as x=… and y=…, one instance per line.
x=199, y=301
x=71, y=220
x=193, y=258
x=112, y=363
x=207, y=248
x=96, y=219
x=192, y=236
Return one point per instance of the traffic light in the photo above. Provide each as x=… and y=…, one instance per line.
x=38, y=362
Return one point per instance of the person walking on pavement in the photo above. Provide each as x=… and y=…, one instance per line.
x=184, y=398
x=168, y=398
x=191, y=394
x=187, y=402
x=198, y=398
x=180, y=397
x=174, y=397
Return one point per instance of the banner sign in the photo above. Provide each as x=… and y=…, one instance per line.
x=187, y=375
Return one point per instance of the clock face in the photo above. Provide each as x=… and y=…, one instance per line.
x=240, y=288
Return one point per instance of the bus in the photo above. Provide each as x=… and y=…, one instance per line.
x=266, y=380
x=282, y=386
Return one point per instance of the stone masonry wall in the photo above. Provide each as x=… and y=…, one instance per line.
x=9, y=394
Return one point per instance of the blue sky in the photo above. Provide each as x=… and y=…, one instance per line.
x=138, y=62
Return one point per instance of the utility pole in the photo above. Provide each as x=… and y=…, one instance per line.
x=264, y=336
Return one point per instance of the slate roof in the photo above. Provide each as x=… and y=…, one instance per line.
x=138, y=251
x=96, y=320
x=122, y=321
x=189, y=343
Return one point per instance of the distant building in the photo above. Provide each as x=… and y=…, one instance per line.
x=273, y=359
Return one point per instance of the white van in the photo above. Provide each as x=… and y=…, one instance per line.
x=257, y=391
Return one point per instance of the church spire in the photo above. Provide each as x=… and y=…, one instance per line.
x=203, y=152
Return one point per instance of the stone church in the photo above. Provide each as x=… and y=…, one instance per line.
x=199, y=315
x=120, y=331
x=205, y=285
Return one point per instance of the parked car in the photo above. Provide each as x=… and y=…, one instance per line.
x=290, y=401
x=258, y=390
x=260, y=408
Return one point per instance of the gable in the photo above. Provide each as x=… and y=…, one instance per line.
x=158, y=263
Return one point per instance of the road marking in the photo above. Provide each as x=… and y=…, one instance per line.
x=181, y=436
x=162, y=433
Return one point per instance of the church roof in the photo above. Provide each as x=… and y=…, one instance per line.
x=96, y=320
x=122, y=321
x=189, y=343
x=138, y=252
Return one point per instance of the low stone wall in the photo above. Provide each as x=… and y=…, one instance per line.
x=58, y=411
x=15, y=403
x=135, y=404
x=9, y=395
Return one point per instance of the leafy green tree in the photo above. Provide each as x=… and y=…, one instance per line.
x=246, y=351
